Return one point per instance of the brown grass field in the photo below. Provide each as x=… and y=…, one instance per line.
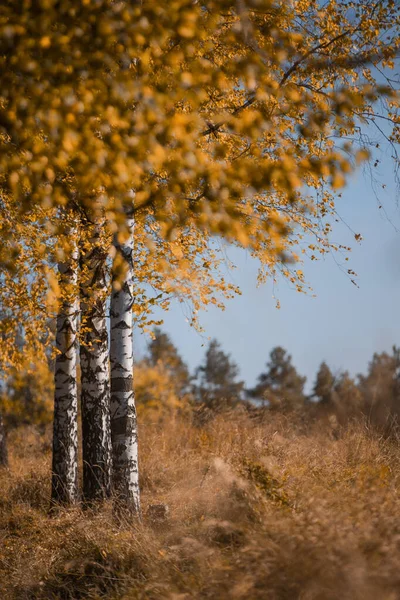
x=272, y=509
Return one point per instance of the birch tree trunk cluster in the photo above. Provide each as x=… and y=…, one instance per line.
x=107, y=399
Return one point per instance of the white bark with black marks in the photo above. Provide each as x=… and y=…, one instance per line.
x=95, y=383
x=64, y=487
x=3, y=444
x=123, y=410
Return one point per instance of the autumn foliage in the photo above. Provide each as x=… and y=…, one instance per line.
x=235, y=119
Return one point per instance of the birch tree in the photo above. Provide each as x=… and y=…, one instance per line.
x=94, y=360
x=64, y=487
x=123, y=410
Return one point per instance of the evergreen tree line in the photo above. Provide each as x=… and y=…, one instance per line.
x=216, y=384
x=163, y=384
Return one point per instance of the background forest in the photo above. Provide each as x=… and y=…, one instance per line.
x=165, y=388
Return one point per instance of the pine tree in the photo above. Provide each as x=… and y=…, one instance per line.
x=324, y=385
x=218, y=384
x=380, y=389
x=281, y=387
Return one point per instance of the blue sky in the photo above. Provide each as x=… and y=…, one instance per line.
x=343, y=324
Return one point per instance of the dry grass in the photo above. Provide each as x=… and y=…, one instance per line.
x=271, y=511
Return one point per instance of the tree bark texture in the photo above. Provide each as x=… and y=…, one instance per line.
x=94, y=358
x=64, y=487
x=3, y=444
x=123, y=411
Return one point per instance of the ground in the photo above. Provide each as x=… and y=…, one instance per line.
x=259, y=508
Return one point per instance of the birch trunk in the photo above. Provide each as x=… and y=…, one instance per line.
x=64, y=488
x=123, y=410
x=3, y=445
x=95, y=387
